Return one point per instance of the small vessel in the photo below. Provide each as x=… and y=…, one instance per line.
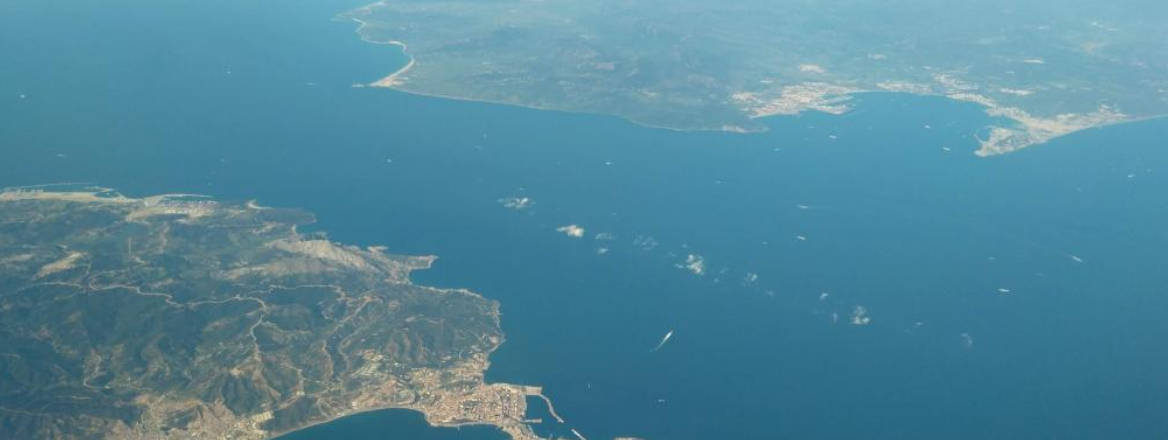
x=663, y=341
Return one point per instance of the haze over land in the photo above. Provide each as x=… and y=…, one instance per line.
x=1045, y=68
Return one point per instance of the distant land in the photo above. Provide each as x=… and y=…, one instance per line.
x=185, y=317
x=1043, y=69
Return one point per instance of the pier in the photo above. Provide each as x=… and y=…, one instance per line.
x=538, y=392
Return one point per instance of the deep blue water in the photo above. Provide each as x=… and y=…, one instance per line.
x=243, y=99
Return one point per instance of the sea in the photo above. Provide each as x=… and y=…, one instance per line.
x=838, y=276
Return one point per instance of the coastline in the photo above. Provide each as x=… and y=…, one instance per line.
x=277, y=435
x=394, y=78
x=518, y=431
x=439, y=394
x=985, y=149
x=391, y=79
x=1025, y=131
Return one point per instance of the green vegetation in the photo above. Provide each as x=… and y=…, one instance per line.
x=1047, y=67
x=179, y=315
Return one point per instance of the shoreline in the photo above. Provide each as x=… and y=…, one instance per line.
x=513, y=424
x=986, y=147
x=528, y=390
x=392, y=82
x=551, y=408
x=429, y=424
x=391, y=79
x=399, y=88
